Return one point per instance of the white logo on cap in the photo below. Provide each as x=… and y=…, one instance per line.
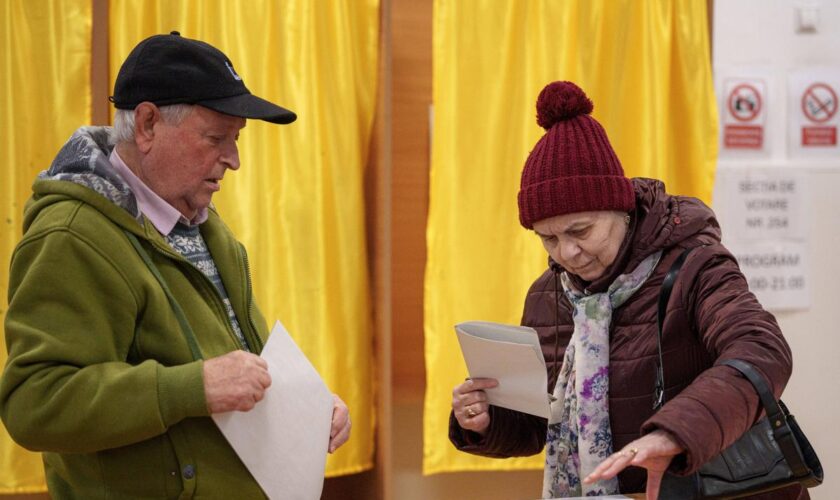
x=232, y=72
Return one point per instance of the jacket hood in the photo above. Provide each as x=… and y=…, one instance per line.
x=665, y=220
x=83, y=161
x=659, y=221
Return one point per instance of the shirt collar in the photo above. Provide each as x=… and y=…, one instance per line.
x=160, y=213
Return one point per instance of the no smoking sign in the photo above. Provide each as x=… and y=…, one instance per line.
x=819, y=106
x=819, y=103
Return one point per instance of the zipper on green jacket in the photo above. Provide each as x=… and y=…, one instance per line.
x=249, y=302
x=208, y=285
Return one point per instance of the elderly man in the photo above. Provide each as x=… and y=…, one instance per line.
x=131, y=317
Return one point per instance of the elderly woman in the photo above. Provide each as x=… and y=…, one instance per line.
x=610, y=242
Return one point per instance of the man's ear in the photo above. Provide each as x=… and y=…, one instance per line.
x=146, y=116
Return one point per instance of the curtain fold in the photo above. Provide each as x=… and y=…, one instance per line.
x=297, y=203
x=45, y=91
x=645, y=65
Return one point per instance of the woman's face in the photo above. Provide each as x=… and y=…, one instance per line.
x=584, y=243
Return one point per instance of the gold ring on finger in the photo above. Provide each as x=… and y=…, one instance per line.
x=470, y=412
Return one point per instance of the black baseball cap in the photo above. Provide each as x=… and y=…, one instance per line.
x=171, y=69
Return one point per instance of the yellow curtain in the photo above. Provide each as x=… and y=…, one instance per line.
x=45, y=69
x=297, y=203
x=646, y=66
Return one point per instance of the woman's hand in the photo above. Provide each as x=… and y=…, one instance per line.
x=653, y=451
x=469, y=403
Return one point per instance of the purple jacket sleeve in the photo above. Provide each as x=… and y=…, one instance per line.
x=720, y=405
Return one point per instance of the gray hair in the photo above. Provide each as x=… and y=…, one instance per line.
x=173, y=114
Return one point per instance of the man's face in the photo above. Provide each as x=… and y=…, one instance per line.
x=186, y=162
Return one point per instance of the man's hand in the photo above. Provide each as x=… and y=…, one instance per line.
x=235, y=381
x=340, y=428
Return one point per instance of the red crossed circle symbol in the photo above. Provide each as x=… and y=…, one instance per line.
x=744, y=102
x=819, y=102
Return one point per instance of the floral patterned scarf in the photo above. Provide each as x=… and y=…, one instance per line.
x=579, y=435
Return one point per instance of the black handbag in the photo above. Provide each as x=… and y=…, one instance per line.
x=772, y=454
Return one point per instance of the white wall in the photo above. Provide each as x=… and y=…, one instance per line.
x=751, y=34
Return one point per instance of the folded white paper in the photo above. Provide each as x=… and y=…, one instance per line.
x=283, y=440
x=512, y=355
x=607, y=497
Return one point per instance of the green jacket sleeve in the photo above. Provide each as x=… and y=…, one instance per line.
x=67, y=385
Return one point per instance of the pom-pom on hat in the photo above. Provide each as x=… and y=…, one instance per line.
x=573, y=167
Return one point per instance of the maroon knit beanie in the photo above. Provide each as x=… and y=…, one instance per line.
x=572, y=168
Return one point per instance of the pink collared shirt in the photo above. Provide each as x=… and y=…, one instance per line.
x=161, y=214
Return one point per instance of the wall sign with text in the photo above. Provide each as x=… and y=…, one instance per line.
x=812, y=95
x=764, y=203
x=776, y=272
x=744, y=114
x=764, y=216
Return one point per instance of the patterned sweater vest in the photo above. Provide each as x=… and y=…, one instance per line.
x=187, y=241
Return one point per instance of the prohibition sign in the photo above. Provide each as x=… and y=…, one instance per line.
x=819, y=102
x=744, y=102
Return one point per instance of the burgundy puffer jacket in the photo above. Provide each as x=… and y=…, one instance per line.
x=712, y=315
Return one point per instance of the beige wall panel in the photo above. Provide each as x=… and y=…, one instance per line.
x=411, y=46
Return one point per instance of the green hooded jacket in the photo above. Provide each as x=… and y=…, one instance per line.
x=100, y=376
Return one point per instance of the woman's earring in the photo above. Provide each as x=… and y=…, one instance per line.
x=627, y=219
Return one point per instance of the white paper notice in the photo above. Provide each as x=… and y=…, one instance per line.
x=764, y=215
x=761, y=203
x=776, y=271
x=283, y=440
x=511, y=355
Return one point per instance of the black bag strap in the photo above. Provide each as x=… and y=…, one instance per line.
x=186, y=329
x=768, y=401
x=664, y=297
x=776, y=414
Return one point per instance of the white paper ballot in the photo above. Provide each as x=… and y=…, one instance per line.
x=283, y=440
x=600, y=497
x=511, y=355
